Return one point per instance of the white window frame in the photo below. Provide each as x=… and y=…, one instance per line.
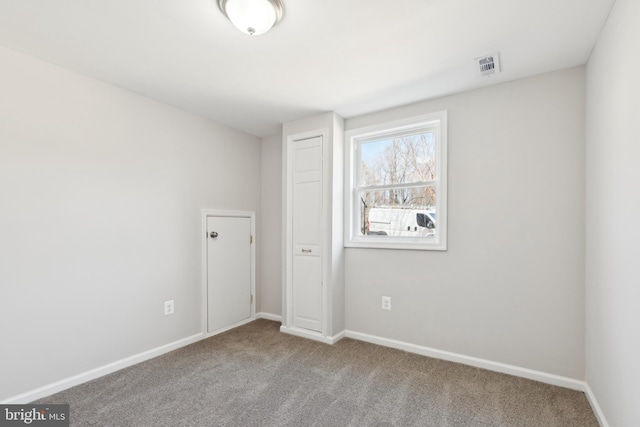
x=353, y=139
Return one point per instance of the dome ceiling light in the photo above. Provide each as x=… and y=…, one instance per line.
x=253, y=17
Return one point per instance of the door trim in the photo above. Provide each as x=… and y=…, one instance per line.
x=204, y=214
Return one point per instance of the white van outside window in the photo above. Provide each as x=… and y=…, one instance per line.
x=400, y=222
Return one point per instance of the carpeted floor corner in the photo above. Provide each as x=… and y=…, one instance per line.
x=256, y=376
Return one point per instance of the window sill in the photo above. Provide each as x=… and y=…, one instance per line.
x=395, y=243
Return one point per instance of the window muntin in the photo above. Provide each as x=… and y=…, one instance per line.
x=396, y=184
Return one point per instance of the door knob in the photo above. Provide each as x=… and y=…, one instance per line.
x=213, y=234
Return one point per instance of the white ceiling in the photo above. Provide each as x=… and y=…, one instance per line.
x=348, y=56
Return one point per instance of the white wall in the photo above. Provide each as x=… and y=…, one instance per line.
x=270, y=230
x=613, y=205
x=100, y=199
x=510, y=288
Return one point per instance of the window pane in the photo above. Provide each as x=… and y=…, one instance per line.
x=398, y=212
x=398, y=160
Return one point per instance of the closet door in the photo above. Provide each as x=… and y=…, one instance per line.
x=228, y=271
x=307, y=234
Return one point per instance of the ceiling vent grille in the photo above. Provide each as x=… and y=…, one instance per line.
x=487, y=65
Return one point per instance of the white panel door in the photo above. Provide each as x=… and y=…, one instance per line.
x=228, y=271
x=307, y=234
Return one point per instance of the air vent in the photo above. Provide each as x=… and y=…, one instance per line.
x=487, y=65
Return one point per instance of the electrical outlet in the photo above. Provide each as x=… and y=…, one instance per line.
x=168, y=307
x=386, y=303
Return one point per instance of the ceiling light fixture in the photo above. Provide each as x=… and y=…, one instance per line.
x=253, y=17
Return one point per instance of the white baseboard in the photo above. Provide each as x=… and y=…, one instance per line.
x=595, y=406
x=337, y=337
x=316, y=336
x=517, y=371
x=75, y=380
x=269, y=316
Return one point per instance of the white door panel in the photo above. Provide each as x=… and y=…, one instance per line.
x=307, y=234
x=308, y=160
x=228, y=271
x=307, y=213
x=307, y=291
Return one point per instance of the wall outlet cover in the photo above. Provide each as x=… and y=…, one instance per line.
x=168, y=307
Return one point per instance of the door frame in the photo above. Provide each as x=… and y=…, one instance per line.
x=204, y=214
x=287, y=267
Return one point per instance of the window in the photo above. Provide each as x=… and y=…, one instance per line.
x=396, y=184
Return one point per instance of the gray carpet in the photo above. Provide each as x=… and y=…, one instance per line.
x=256, y=376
